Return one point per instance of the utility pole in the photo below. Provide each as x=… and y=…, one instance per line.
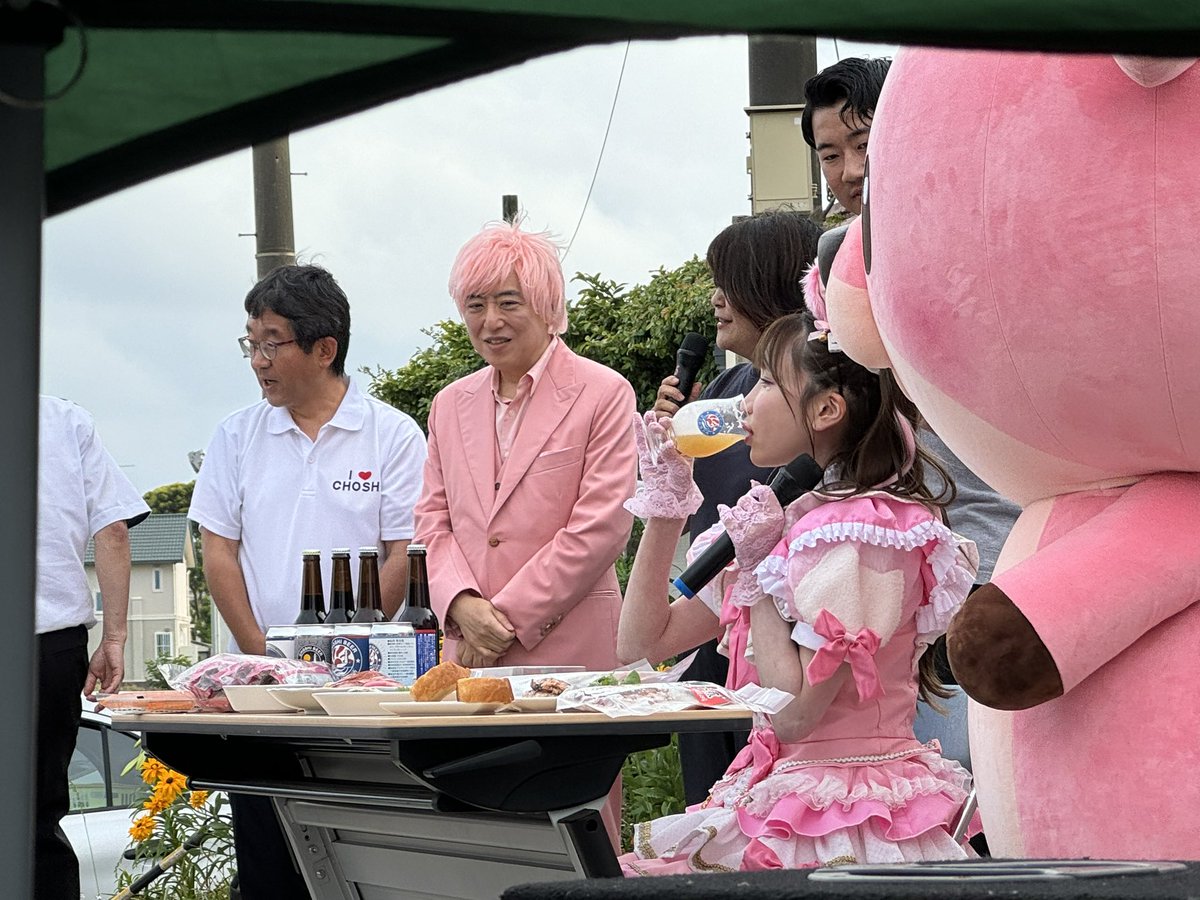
x=784, y=172
x=508, y=207
x=275, y=240
x=274, y=246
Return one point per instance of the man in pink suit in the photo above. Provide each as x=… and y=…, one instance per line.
x=530, y=460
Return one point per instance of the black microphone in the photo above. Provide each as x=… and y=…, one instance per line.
x=688, y=360
x=798, y=477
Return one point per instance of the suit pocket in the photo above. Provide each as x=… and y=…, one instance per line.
x=555, y=459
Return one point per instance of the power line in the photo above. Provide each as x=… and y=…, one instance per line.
x=603, y=144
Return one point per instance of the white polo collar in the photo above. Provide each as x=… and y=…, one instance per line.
x=350, y=414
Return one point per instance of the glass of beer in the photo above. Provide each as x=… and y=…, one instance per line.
x=703, y=427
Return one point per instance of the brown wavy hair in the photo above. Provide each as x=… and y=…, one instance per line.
x=875, y=448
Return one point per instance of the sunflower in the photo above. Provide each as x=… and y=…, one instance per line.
x=197, y=799
x=142, y=828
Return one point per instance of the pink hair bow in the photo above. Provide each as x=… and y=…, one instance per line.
x=857, y=649
x=759, y=755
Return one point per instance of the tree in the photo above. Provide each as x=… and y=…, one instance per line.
x=634, y=331
x=170, y=498
x=176, y=498
x=637, y=331
x=411, y=387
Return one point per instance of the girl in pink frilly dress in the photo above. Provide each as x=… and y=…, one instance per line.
x=833, y=600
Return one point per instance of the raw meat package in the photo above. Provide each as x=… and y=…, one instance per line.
x=206, y=680
x=645, y=699
x=133, y=702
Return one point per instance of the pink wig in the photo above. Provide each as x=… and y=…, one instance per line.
x=502, y=249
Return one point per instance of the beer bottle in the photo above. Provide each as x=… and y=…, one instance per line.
x=312, y=593
x=419, y=613
x=370, y=603
x=341, y=598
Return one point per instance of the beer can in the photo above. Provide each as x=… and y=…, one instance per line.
x=394, y=651
x=313, y=642
x=428, y=650
x=349, y=650
x=281, y=641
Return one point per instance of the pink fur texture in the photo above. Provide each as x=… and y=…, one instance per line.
x=1032, y=283
x=814, y=292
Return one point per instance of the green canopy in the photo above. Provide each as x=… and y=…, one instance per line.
x=168, y=83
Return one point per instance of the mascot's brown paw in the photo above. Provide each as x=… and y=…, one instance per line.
x=997, y=657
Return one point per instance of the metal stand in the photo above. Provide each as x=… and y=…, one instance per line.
x=25, y=37
x=454, y=817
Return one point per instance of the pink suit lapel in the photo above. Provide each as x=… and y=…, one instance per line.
x=551, y=401
x=477, y=428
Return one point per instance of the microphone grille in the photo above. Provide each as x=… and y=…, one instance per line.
x=694, y=343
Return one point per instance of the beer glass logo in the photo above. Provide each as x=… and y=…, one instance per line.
x=710, y=422
x=347, y=658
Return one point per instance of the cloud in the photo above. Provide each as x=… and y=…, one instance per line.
x=142, y=291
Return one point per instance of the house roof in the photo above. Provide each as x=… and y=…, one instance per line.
x=159, y=538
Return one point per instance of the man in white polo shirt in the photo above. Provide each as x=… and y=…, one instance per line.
x=81, y=494
x=315, y=464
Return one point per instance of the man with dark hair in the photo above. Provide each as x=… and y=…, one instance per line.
x=314, y=465
x=839, y=103
x=312, y=302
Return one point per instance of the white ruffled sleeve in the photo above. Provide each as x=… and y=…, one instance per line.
x=868, y=561
x=953, y=562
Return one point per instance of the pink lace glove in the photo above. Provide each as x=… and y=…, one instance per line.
x=666, y=490
x=755, y=526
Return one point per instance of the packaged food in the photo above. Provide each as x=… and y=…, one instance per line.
x=646, y=699
x=368, y=679
x=147, y=702
x=546, y=687
x=206, y=680
x=613, y=678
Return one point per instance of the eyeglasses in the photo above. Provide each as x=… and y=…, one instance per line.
x=267, y=348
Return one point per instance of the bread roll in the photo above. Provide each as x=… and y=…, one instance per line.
x=484, y=690
x=439, y=682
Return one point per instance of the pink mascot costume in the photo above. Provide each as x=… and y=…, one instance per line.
x=1029, y=265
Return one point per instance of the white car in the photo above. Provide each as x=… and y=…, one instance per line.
x=99, y=820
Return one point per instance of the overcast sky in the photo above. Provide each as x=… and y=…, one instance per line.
x=142, y=291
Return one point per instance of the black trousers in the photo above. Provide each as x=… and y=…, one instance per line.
x=62, y=670
x=704, y=757
x=264, y=861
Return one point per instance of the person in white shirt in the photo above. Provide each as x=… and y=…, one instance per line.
x=82, y=494
x=315, y=464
